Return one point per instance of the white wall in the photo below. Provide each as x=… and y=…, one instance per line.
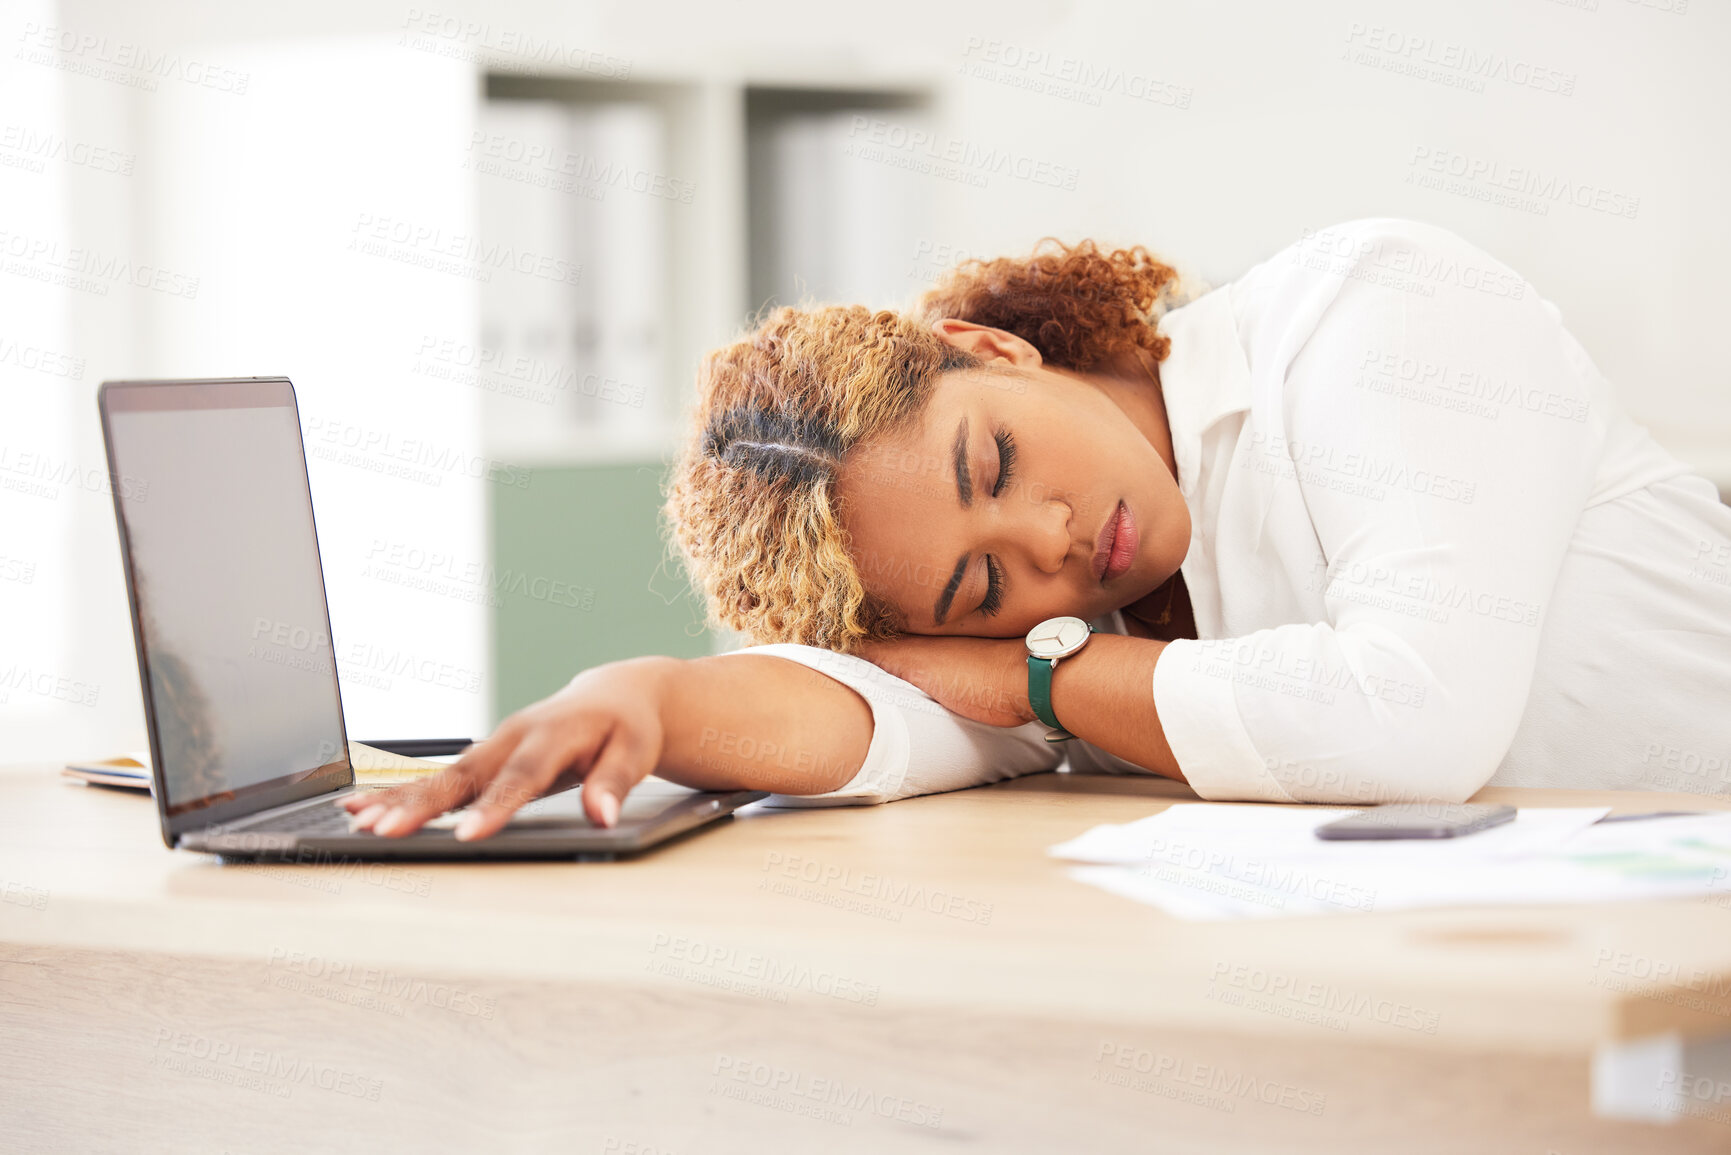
x=1212, y=132
x=246, y=210
x=47, y=473
x=326, y=214
x=1279, y=131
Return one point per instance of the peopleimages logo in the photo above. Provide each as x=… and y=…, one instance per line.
x=1418, y=594
x=1446, y=62
x=503, y=49
x=1460, y=388
x=883, y=888
x=462, y=254
x=799, y=1088
x=34, y=148
x=935, y=154
x=381, y=450
x=1349, y=255
x=692, y=958
x=518, y=374
x=35, y=359
x=43, y=684
x=1278, y=991
x=504, y=153
x=1066, y=77
x=40, y=475
x=87, y=270
x=123, y=62
x=1309, y=460
x=1430, y=164
x=380, y=981
x=1118, y=1063
x=254, y=1068
x=1247, y=662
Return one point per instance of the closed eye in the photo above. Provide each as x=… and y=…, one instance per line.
x=1006, y=460
x=994, y=599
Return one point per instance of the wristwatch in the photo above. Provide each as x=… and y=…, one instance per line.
x=1049, y=643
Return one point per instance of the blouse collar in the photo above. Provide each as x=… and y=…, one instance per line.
x=1204, y=377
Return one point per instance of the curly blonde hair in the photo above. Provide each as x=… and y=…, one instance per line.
x=752, y=503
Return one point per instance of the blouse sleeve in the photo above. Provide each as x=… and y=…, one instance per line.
x=917, y=746
x=1443, y=535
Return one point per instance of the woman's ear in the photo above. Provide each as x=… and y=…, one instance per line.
x=986, y=343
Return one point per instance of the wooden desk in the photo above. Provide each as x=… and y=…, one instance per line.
x=933, y=984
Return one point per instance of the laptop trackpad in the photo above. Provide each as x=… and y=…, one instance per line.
x=649, y=800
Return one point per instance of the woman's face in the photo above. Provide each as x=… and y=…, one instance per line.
x=1019, y=494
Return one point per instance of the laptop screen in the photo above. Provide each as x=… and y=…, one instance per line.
x=240, y=683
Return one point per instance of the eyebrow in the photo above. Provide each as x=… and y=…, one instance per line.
x=942, y=609
x=964, y=483
x=965, y=494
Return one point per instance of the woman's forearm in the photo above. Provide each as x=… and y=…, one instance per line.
x=745, y=722
x=1105, y=696
x=756, y=722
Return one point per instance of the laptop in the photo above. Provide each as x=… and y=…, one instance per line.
x=248, y=748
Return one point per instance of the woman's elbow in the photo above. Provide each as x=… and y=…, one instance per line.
x=1445, y=761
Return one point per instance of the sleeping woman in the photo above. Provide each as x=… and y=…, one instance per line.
x=1365, y=524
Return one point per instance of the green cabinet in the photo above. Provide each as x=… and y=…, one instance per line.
x=581, y=577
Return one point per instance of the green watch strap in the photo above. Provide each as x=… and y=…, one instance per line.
x=1040, y=693
x=1040, y=690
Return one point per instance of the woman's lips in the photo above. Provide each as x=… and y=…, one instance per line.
x=1115, y=548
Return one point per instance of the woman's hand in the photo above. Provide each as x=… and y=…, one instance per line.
x=603, y=730
x=985, y=679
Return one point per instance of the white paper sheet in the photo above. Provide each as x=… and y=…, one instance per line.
x=1206, y=861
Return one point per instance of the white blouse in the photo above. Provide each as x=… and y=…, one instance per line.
x=1429, y=551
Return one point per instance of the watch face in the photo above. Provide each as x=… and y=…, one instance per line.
x=1057, y=637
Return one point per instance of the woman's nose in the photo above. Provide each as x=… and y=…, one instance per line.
x=1049, y=541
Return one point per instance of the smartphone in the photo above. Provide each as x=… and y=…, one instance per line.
x=1416, y=820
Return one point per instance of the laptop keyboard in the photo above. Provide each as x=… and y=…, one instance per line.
x=327, y=819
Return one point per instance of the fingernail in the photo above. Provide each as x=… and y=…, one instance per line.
x=469, y=825
x=609, y=810
x=394, y=817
